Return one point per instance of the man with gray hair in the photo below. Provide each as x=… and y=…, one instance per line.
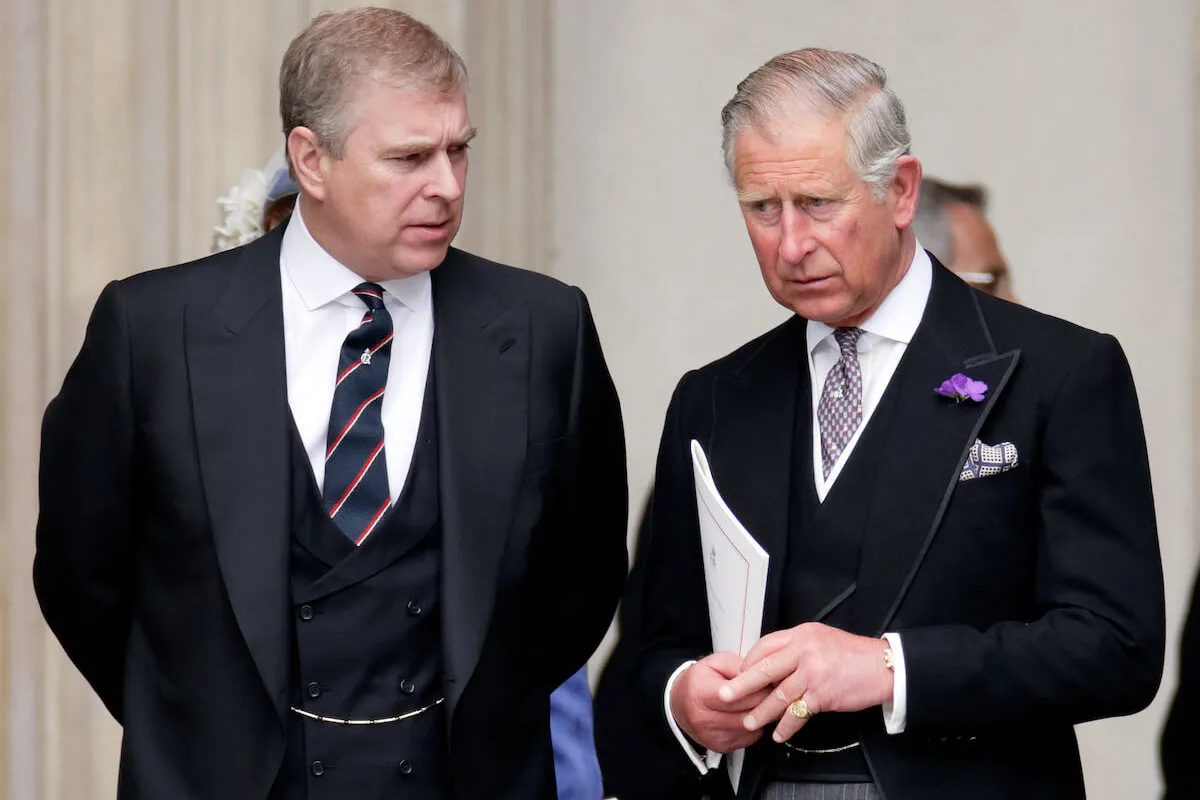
x=314, y=508
x=953, y=490
x=950, y=224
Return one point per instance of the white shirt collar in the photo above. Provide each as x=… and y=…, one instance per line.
x=900, y=312
x=320, y=279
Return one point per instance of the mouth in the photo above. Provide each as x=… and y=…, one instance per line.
x=810, y=282
x=433, y=229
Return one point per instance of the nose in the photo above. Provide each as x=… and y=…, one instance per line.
x=796, y=235
x=444, y=182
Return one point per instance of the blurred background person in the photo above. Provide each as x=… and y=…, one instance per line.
x=950, y=223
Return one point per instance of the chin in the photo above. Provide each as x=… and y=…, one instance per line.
x=413, y=263
x=820, y=312
x=806, y=305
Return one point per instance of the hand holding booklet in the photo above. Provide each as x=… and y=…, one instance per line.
x=735, y=575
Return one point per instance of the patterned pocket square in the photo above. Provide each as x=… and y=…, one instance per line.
x=986, y=460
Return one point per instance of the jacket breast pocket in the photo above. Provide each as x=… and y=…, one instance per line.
x=1002, y=488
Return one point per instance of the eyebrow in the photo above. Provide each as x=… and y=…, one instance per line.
x=423, y=145
x=744, y=197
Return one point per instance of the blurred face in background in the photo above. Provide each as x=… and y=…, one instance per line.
x=977, y=257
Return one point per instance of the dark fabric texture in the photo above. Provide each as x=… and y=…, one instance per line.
x=1027, y=601
x=167, y=576
x=1181, y=734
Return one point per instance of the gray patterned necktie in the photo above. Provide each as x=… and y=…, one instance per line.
x=840, y=410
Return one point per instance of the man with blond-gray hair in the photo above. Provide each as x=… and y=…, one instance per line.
x=313, y=509
x=953, y=491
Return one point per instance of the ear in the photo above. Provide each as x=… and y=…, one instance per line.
x=309, y=161
x=905, y=190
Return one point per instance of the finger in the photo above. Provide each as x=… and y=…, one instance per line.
x=765, y=672
x=725, y=664
x=788, y=727
x=775, y=704
x=723, y=732
x=789, y=723
x=743, y=704
x=771, y=643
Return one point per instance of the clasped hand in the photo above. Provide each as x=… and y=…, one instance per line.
x=723, y=702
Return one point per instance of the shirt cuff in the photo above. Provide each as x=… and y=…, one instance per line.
x=683, y=742
x=895, y=713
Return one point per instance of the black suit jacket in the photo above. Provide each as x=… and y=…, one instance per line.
x=162, y=544
x=1028, y=601
x=1181, y=735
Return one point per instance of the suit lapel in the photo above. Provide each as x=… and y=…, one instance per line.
x=481, y=356
x=236, y=366
x=751, y=450
x=928, y=439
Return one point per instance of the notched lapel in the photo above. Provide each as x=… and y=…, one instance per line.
x=752, y=443
x=237, y=371
x=928, y=440
x=481, y=353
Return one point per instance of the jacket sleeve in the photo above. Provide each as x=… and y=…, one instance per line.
x=586, y=559
x=674, y=625
x=83, y=565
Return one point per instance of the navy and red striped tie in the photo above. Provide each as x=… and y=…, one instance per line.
x=356, y=489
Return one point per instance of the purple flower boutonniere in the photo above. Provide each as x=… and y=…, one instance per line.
x=960, y=388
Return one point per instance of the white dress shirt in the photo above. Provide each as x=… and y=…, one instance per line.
x=886, y=335
x=319, y=310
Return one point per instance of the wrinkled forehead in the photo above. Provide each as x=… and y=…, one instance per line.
x=788, y=149
x=380, y=105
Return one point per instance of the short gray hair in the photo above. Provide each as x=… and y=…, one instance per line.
x=324, y=63
x=931, y=224
x=834, y=83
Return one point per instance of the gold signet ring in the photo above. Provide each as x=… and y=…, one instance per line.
x=800, y=710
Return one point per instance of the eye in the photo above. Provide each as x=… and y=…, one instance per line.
x=816, y=202
x=458, y=149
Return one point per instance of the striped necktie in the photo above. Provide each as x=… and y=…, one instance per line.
x=356, y=492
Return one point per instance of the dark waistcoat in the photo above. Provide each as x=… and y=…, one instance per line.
x=824, y=546
x=368, y=643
